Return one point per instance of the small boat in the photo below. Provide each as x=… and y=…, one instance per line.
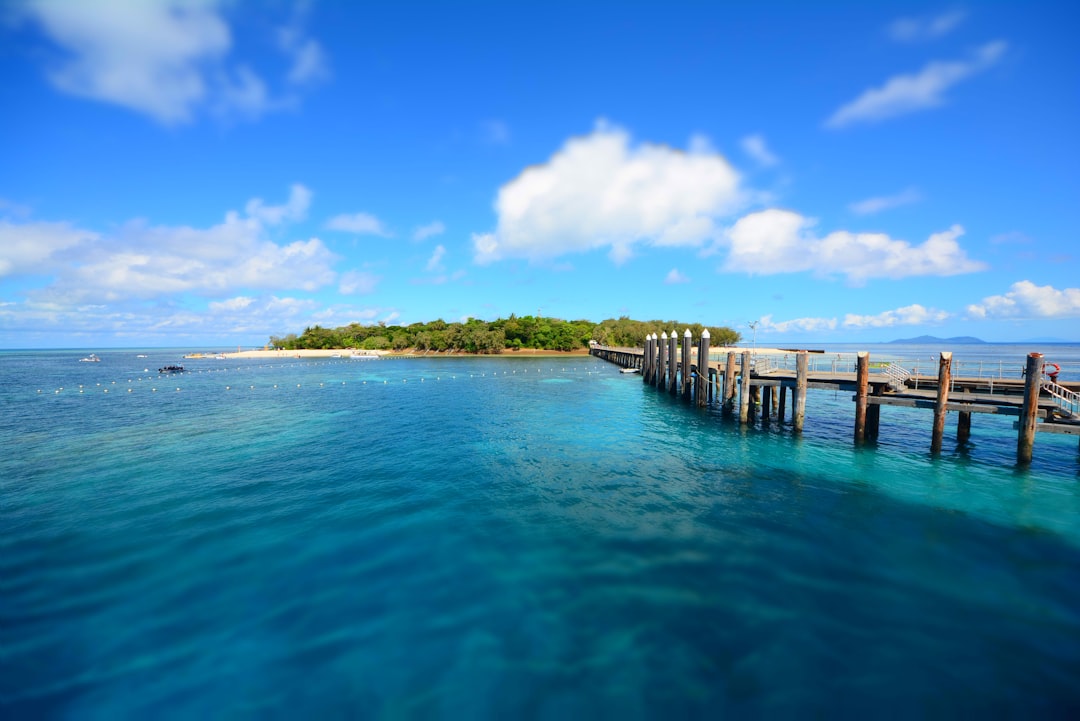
x=90, y=359
x=141, y=355
x=630, y=370
x=363, y=356
x=335, y=355
x=171, y=369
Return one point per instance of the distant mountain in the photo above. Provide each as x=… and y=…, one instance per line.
x=934, y=340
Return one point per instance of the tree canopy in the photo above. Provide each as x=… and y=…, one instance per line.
x=477, y=336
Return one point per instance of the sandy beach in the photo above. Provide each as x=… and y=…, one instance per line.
x=321, y=353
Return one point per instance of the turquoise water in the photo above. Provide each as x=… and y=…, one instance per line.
x=511, y=538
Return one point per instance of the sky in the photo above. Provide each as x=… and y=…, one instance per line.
x=213, y=173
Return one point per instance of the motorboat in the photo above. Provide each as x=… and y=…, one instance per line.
x=363, y=356
x=171, y=369
x=90, y=359
x=630, y=370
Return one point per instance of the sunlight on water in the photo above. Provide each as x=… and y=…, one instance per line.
x=510, y=537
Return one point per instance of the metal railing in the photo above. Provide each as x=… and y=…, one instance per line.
x=896, y=374
x=1066, y=401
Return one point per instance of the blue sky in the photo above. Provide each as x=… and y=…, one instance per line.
x=211, y=173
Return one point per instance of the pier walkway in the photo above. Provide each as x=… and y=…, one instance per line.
x=756, y=387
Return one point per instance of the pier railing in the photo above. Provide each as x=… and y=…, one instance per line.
x=1066, y=401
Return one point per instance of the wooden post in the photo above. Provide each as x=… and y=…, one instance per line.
x=661, y=370
x=702, y=391
x=685, y=358
x=944, y=379
x=873, y=416
x=963, y=427
x=766, y=404
x=755, y=403
x=798, y=405
x=775, y=399
x=672, y=366
x=729, y=383
x=645, y=359
x=744, y=388
x=783, y=403
x=862, y=385
x=1029, y=412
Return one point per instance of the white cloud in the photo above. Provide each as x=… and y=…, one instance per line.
x=37, y=248
x=756, y=148
x=918, y=29
x=309, y=61
x=166, y=59
x=140, y=261
x=600, y=191
x=430, y=230
x=1027, y=300
x=908, y=315
x=909, y=93
x=799, y=325
x=358, y=282
x=781, y=241
x=359, y=223
x=869, y=206
x=435, y=261
x=674, y=277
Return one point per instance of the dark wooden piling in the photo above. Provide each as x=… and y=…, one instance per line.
x=645, y=359
x=798, y=410
x=661, y=370
x=672, y=366
x=1025, y=441
x=862, y=392
x=782, y=405
x=942, y=403
x=701, y=393
x=963, y=427
x=873, y=415
x=729, y=383
x=744, y=388
x=684, y=359
x=766, y=403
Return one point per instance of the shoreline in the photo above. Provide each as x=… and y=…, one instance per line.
x=344, y=353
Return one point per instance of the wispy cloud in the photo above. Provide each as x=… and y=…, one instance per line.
x=435, y=261
x=909, y=30
x=756, y=148
x=908, y=315
x=902, y=94
x=430, y=230
x=495, y=132
x=674, y=277
x=358, y=282
x=869, y=206
x=168, y=59
x=359, y=223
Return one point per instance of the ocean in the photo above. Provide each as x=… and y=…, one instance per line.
x=476, y=538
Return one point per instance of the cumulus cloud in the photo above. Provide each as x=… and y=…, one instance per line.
x=359, y=223
x=37, y=248
x=674, y=277
x=926, y=89
x=756, y=148
x=908, y=315
x=603, y=191
x=782, y=241
x=1027, y=300
x=430, y=230
x=166, y=59
x=869, y=206
x=143, y=261
x=909, y=30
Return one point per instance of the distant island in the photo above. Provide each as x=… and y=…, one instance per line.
x=934, y=340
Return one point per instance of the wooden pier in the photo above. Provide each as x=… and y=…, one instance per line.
x=755, y=389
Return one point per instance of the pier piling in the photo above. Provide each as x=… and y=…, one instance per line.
x=942, y=403
x=661, y=374
x=702, y=390
x=673, y=367
x=744, y=388
x=799, y=404
x=1025, y=441
x=685, y=363
x=862, y=383
x=729, y=383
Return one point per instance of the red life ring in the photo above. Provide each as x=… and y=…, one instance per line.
x=1053, y=373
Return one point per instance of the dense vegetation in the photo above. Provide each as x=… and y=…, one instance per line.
x=477, y=336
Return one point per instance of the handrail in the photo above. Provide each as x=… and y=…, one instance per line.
x=1067, y=401
x=896, y=374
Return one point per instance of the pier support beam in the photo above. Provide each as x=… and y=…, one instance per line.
x=782, y=405
x=862, y=392
x=729, y=383
x=798, y=411
x=701, y=393
x=963, y=427
x=661, y=370
x=940, y=406
x=744, y=388
x=673, y=367
x=685, y=363
x=1025, y=441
